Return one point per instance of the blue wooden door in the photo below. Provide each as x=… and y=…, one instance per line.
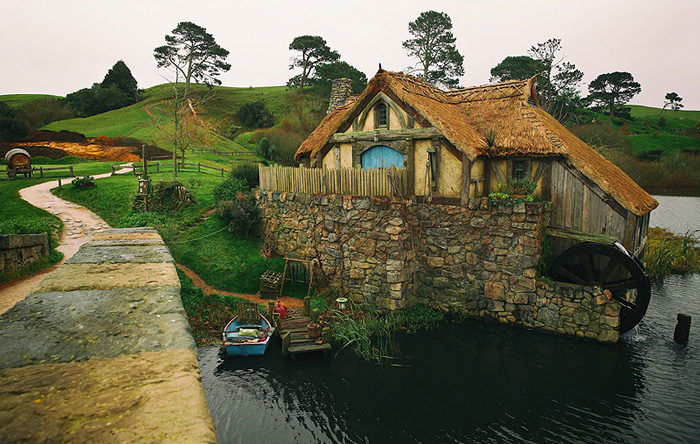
x=381, y=156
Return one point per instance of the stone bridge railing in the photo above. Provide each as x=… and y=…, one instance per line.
x=101, y=351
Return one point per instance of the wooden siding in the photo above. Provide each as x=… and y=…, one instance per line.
x=578, y=207
x=354, y=181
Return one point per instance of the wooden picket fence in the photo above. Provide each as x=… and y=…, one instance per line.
x=354, y=181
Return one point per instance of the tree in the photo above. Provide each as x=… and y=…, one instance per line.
x=11, y=128
x=97, y=100
x=120, y=75
x=558, y=83
x=314, y=53
x=673, y=100
x=255, y=115
x=613, y=89
x=325, y=74
x=434, y=46
x=516, y=68
x=178, y=125
x=194, y=55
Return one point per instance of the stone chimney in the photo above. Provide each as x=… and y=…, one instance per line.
x=340, y=91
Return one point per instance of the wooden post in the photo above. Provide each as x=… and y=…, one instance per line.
x=41, y=171
x=199, y=167
x=315, y=315
x=277, y=322
x=71, y=171
x=157, y=168
x=113, y=170
x=133, y=168
x=222, y=172
x=682, y=331
x=466, y=180
x=326, y=334
x=59, y=183
x=270, y=308
x=286, y=341
x=307, y=306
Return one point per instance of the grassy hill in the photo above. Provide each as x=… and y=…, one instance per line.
x=218, y=112
x=17, y=101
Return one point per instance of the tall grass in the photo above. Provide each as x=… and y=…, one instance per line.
x=668, y=253
x=370, y=333
x=676, y=170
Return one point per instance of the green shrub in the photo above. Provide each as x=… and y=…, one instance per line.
x=249, y=173
x=255, y=115
x=267, y=150
x=229, y=188
x=599, y=135
x=170, y=197
x=241, y=212
x=81, y=181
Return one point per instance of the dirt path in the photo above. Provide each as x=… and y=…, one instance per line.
x=79, y=224
x=208, y=289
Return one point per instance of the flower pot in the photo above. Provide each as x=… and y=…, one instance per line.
x=314, y=330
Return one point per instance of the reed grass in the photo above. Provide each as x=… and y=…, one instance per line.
x=371, y=333
x=671, y=254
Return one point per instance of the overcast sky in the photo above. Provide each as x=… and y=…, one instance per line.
x=60, y=46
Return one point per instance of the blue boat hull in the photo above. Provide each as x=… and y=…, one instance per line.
x=236, y=345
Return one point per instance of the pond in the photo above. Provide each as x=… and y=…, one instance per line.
x=478, y=382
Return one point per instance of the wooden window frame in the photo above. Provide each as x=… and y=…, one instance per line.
x=377, y=114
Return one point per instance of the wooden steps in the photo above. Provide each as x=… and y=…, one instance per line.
x=295, y=337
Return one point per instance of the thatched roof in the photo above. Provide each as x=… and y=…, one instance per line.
x=498, y=120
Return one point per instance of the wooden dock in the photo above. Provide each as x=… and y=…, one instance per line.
x=295, y=337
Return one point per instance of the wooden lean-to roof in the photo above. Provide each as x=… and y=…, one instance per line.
x=498, y=120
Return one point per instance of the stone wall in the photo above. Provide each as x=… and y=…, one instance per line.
x=475, y=260
x=101, y=351
x=19, y=250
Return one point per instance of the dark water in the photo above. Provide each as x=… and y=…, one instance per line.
x=475, y=382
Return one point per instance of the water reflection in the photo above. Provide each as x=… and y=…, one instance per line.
x=472, y=382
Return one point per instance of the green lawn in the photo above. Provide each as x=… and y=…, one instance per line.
x=223, y=259
x=663, y=141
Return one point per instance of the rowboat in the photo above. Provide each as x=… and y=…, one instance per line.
x=247, y=339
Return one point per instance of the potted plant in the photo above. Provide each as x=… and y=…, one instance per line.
x=314, y=330
x=83, y=182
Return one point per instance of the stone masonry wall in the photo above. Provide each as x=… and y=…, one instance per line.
x=19, y=250
x=475, y=260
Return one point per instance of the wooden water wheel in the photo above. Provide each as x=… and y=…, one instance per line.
x=610, y=267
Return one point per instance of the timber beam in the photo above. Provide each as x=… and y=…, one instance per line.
x=402, y=134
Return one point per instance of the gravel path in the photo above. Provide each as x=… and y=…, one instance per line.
x=79, y=224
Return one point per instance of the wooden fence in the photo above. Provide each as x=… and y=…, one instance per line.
x=42, y=169
x=167, y=166
x=222, y=153
x=355, y=181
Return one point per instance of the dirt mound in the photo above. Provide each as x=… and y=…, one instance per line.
x=57, y=144
x=56, y=136
x=35, y=151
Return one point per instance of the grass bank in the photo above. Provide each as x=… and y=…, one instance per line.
x=20, y=217
x=196, y=238
x=668, y=253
